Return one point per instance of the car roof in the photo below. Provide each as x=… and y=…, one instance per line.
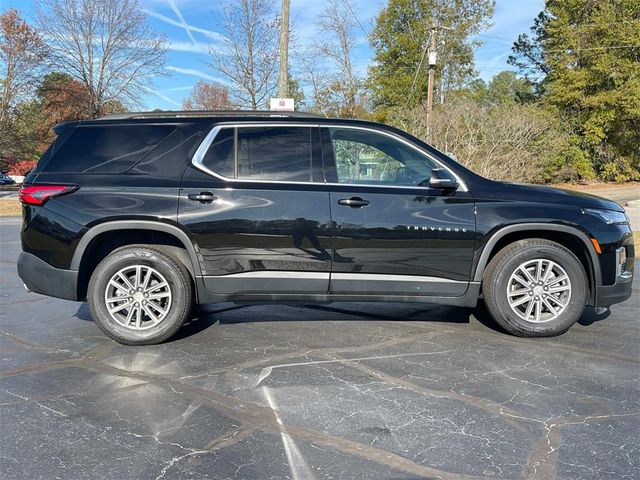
x=209, y=117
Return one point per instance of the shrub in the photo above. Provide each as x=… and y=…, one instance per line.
x=22, y=167
x=512, y=141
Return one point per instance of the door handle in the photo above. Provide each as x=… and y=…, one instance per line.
x=353, y=202
x=202, y=197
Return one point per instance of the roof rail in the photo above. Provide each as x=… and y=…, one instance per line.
x=204, y=113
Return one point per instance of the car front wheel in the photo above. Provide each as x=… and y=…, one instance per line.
x=535, y=288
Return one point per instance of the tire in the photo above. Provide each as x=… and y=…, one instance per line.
x=508, y=290
x=135, y=319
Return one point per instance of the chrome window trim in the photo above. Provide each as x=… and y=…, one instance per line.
x=198, y=156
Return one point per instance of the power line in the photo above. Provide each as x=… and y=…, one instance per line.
x=599, y=24
x=346, y=2
x=592, y=48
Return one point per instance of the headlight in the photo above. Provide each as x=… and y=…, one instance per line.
x=609, y=216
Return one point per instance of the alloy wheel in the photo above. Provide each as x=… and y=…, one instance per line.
x=138, y=297
x=539, y=290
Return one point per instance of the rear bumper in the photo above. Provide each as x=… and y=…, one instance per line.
x=40, y=277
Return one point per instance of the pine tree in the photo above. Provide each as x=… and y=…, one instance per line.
x=590, y=52
x=401, y=36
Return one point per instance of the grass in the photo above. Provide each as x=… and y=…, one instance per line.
x=10, y=207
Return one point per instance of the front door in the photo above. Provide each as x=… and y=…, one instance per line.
x=391, y=233
x=257, y=210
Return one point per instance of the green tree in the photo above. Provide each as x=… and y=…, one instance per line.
x=400, y=40
x=503, y=89
x=589, y=57
x=528, y=53
x=294, y=91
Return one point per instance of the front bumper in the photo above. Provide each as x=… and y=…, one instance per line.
x=607, y=295
x=40, y=277
x=621, y=290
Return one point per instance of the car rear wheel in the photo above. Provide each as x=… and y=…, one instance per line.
x=139, y=295
x=535, y=288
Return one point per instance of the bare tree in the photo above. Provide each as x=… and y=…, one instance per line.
x=508, y=142
x=251, y=54
x=21, y=53
x=208, y=96
x=336, y=91
x=105, y=44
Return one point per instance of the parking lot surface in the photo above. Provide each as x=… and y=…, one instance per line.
x=338, y=391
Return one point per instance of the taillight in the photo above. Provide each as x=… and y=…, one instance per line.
x=38, y=194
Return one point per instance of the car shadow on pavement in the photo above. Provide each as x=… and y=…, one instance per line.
x=591, y=316
x=204, y=316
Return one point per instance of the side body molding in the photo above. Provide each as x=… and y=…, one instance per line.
x=135, y=225
x=486, y=251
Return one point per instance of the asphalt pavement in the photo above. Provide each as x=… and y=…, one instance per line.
x=344, y=391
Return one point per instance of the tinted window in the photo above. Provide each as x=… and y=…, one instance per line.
x=219, y=157
x=275, y=153
x=366, y=157
x=106, y=149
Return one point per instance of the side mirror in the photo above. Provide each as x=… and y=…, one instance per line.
x=442, y=179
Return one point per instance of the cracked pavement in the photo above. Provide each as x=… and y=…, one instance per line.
x=341, y=391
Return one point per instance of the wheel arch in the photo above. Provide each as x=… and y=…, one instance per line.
x=101, y=239
x=570, y=237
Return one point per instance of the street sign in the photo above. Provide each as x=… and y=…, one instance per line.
x=282, y=104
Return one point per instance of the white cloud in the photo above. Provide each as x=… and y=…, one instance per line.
x=162, y=96
x=197, y=47
x=178, y=89
x=196, y=73
x=186, y=26
x=209, y=33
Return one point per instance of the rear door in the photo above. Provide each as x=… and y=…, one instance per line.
x=258, y=211
x=392, y=234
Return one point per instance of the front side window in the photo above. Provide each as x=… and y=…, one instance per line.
x=370, y=158
x=262, y=153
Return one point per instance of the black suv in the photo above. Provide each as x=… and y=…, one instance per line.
x=144, y=214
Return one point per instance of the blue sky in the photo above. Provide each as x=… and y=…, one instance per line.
x=190, y=25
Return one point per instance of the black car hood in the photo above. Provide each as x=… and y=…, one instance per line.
x=542, y=194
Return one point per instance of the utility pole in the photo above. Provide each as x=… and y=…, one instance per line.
x=432, y=72
x=283, y=77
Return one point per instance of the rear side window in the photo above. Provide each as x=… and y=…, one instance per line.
x=276, y=153
x=279, y=153
x=106, y=149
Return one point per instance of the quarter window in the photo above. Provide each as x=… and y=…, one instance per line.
x=219, y=157
x=370, y=158
x=104, y=149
